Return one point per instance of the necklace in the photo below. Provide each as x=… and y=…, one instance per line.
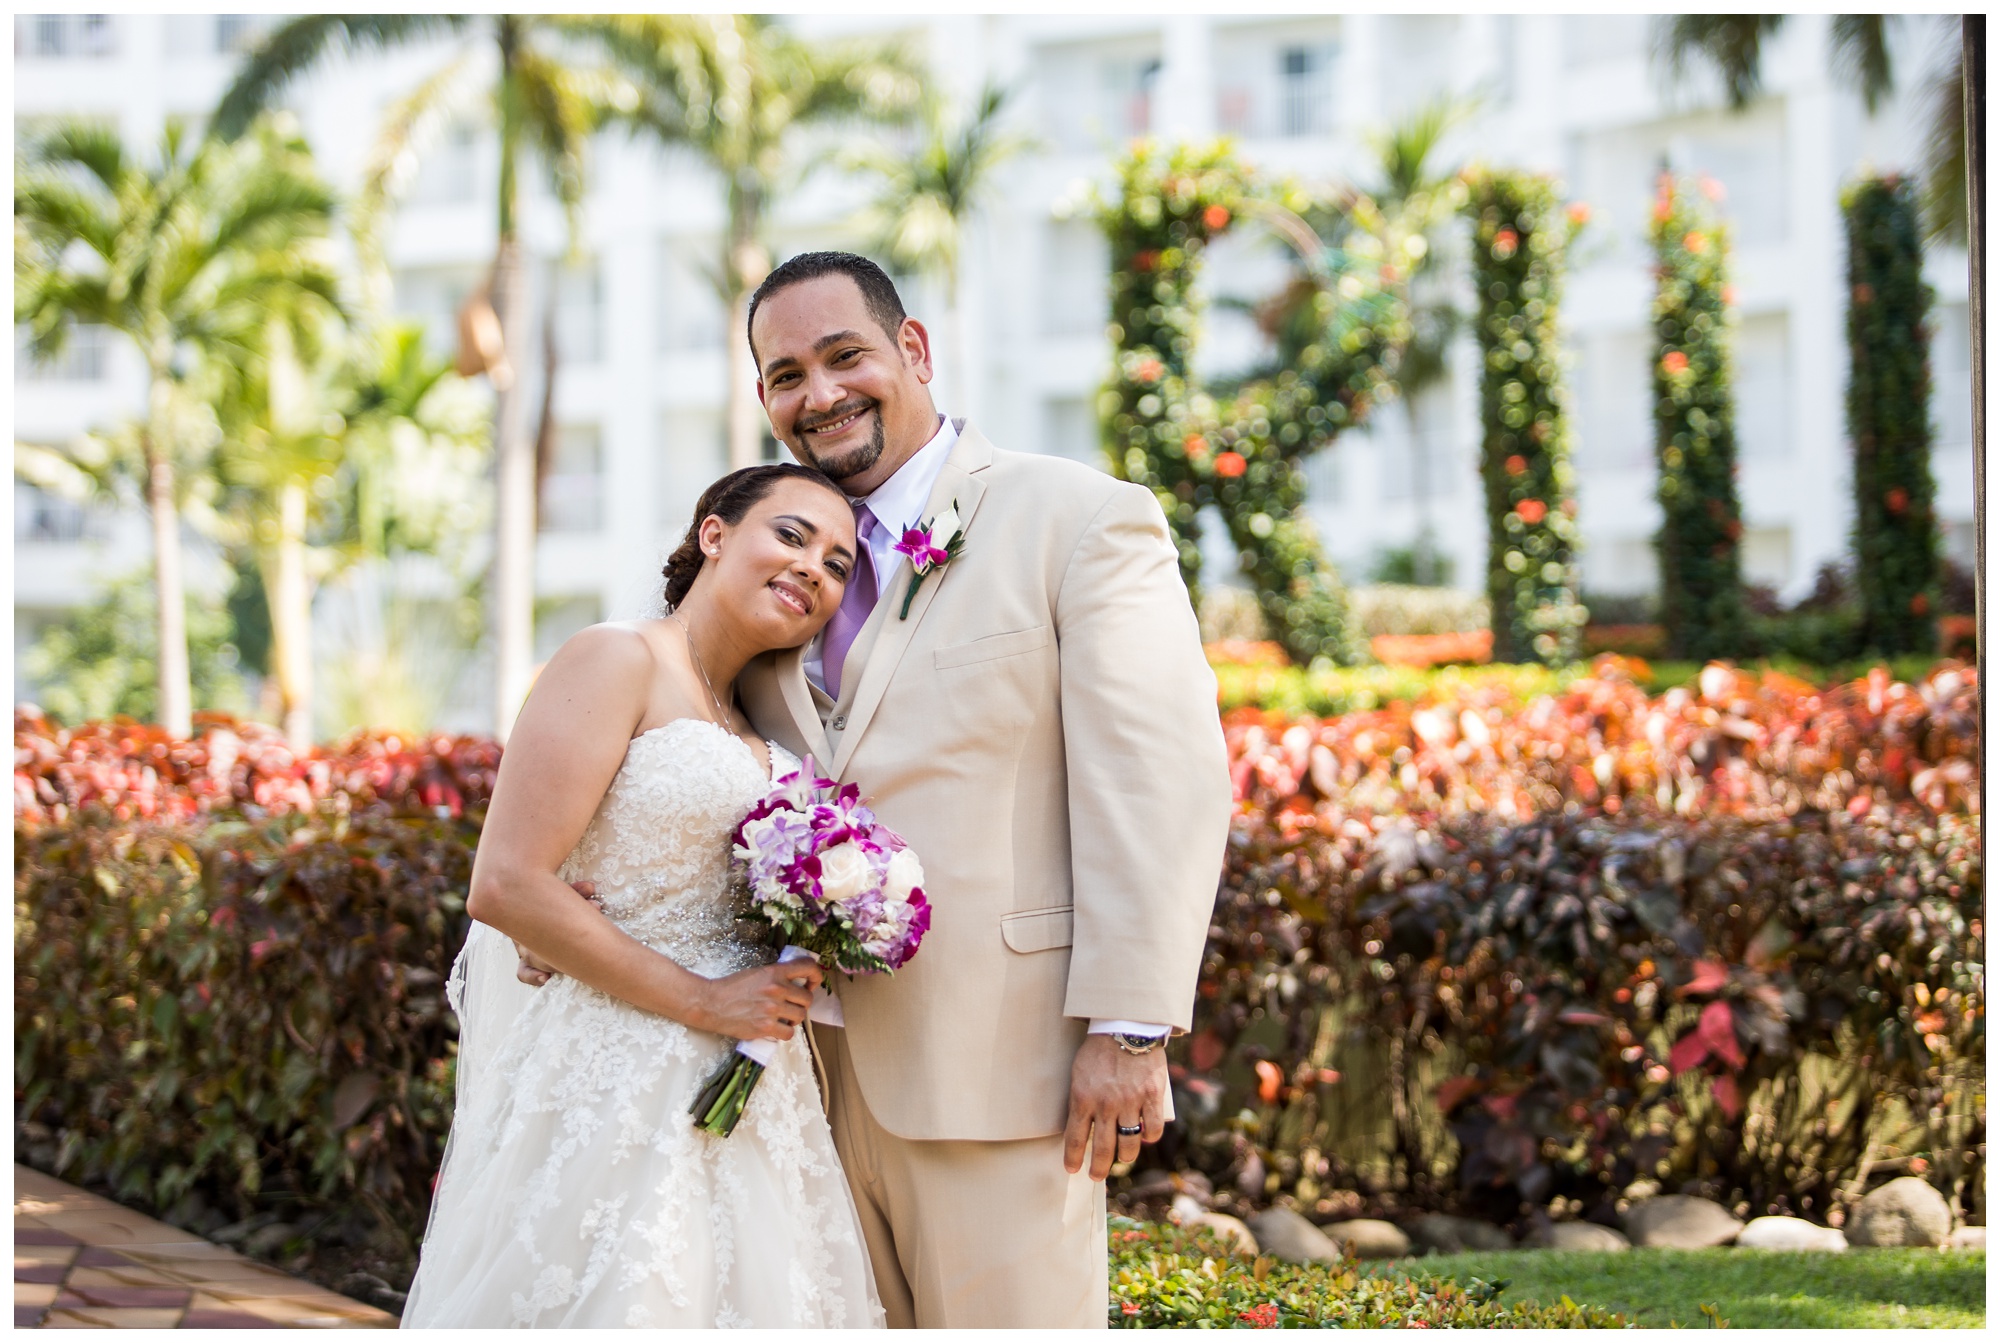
x=723, y=720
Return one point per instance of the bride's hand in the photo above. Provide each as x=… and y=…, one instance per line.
x=766, y=1002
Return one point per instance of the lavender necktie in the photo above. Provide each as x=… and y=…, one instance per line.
x=855, y=605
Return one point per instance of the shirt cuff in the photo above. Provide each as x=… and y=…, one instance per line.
x=1101, y=1026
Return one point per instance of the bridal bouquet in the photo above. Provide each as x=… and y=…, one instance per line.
x=841, y=887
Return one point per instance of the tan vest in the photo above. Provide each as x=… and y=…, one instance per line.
x=1042, y=729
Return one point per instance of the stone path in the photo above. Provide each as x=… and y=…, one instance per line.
x=83, y=1262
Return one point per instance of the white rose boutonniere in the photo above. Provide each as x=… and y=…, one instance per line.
x=931, y=546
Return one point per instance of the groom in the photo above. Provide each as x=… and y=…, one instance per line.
x=1034, y=715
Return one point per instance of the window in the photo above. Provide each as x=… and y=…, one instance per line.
x=433, y=297
x=448, y=174
x=1069, y=429
x=49, y=519
x=86, y=357
x=1614, y=404
x=694, y=452
x=1127, y=85
x=238, y=33
x=1951, y=376
x=1763, y=389
x=691, y=312
x=572, y=491
x=1075, y=273
x=1305, y=91
x=579, y=314
x=58, y=35
x=1767, y=556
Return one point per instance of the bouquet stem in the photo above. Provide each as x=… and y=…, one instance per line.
x=720, y=1104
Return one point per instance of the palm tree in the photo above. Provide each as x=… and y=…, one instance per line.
x=183, y=257
x=542, y=102
x=1420, y=204
x=918, y=219
x=312, y=427
x=1733, y=46
x=737, y=89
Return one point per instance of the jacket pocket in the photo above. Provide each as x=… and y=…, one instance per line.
x=992, y=646
x=1039, y=929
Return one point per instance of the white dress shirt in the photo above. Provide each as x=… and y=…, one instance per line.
x=898, y=502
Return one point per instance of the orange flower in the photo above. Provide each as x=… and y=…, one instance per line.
x=1268, y=1081
x=1712, y=188
x=1897, y=500
x=1129, y=1307
x=1194, y=445
x=1230, y=464
x=1505, y=242
x=1863, y=294
x=1216, y=216
x=1532, y=511
x=1729, y=294
x=1695, y=242
x=1517, y=465
x=1145, y=260
x=1674, y=362
x=1148, y=370
x=1579, y=213
x=1920, y=605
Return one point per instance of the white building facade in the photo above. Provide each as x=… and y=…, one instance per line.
x=639, y=395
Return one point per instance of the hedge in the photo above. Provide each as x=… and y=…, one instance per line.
x=1169, y=1277
x=1888, y=416
x=1501, y=948
x=1728, y=941
x=1700, y=541
x=1520, y=235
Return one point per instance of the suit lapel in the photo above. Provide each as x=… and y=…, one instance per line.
x=774, y=688
x=958, y=483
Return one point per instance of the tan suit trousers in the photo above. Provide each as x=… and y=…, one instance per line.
x=968, y=1234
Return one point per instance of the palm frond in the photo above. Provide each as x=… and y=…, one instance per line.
x=1732, y=45
x=294, y=48
x=1861, y=53
x=1946, y=207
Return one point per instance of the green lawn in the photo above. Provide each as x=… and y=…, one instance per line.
x=1754, y=1289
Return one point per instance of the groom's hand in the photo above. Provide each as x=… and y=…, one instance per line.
x=1109, y=1088
x=535, y=972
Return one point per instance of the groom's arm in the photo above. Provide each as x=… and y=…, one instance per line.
x=1148, y=801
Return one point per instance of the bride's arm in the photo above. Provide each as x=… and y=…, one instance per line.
x=565, y=750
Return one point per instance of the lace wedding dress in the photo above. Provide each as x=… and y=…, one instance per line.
x=576, y=1191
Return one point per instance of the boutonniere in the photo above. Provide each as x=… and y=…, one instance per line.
x=931, y=546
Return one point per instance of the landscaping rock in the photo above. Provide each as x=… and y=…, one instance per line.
x=1789, y=1233
x=1576, y=1236
x=1369, y=1238
x=1967, y=1238
x=1441, y=1233
x=1905, y=1211
x=1282, y=1233
x=1680, y=1222
x=1231, y=1231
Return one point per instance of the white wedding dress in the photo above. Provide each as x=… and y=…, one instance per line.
x=576, y=1191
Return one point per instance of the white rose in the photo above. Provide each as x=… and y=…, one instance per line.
x=905, y=875
x=844, y=873
x=944, y=527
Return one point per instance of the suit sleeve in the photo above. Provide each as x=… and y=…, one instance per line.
x=1149, y=797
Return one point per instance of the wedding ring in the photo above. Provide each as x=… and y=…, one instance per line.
x=1132, y=1132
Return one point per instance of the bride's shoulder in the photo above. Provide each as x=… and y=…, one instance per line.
x=615, y=649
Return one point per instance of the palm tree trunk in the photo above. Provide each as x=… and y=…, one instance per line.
x=289, y=593
x=176, y=696
x=747, y=264
x=514, y=502
x=1973, y=63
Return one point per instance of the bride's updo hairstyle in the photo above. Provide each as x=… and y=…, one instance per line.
x=731, y=499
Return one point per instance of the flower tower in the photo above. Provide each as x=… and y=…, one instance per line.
x=1520, y=236
x=1241, y=452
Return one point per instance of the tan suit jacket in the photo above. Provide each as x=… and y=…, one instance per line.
x=1042, y=729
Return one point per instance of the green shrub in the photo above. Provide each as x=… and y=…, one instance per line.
x=1700, y=541
x=1520, y=234
x=245, y=1011
x=1169, y=1277
x=1888, y=416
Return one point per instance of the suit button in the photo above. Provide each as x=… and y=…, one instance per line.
x=839, y=723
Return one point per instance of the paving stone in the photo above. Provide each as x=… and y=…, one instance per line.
x=36, y=1294
x=25, y=1255
x=75, y=1295
x=28, y=1317
x=96, y=1256
x=40, y=1272
x=129, y=1276
x=86, y=1318
x=41, y=1235
x=223, y=1319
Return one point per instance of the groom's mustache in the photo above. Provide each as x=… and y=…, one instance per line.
x=807, y=423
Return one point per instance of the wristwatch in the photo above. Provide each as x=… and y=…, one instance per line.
x=1138, y=1044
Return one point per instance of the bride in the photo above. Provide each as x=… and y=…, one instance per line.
x=576, y=1191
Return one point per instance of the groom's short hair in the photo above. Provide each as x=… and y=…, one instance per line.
x=878, y=291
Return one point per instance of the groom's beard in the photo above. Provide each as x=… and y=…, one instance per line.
x=855, y=460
